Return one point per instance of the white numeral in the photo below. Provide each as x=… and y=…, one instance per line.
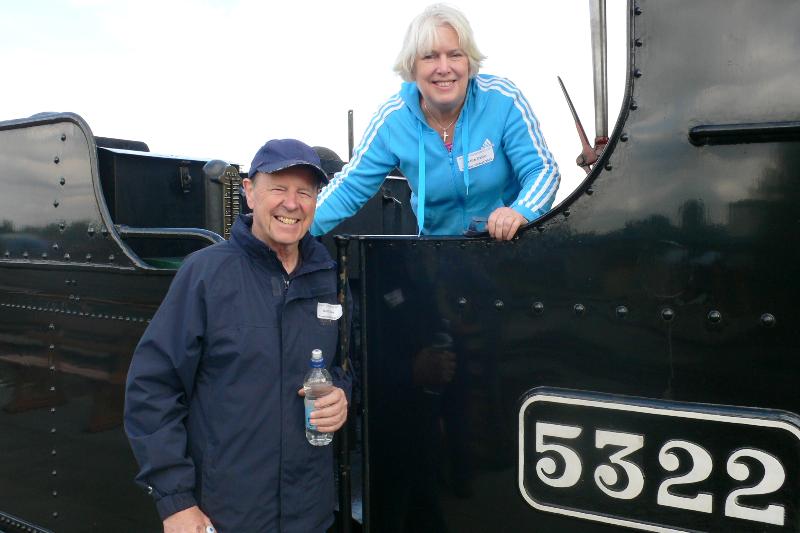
x=701, y=469
x=546, y=466
x=773, y=479
x=607, y=476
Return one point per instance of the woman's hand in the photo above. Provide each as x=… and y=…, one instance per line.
x=504, y=222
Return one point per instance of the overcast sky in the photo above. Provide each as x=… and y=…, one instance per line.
x=218, y=78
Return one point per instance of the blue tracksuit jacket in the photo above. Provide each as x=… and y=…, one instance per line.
x=211, y=406
x=497, y=133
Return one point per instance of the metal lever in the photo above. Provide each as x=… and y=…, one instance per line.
x=588, y=155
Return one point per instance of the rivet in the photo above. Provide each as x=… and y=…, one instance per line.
x=67, y=257
x=55, y=247
x=637, y=42
x=111, y=257
x=462, y=301
x=462, y=245
x=567, y=213
x=88, y=257
x=624, y=137
x=579, y=309
x=637, y=10
x=25, y=255
x=768, y=320
x=7, y=254
x=55, y=514
x=56, y=160
x=538, y=308
x=62, y=226
x=634, y=105
x=413, y=244
x=55, y=493
x=51, y=326
x=498, y=304
x=61, y=180
x=52, y=389
x=54, y=473
x=540, y=229
x=52, y=452
x=667, y=314
x=55, y=203
x=609, y=166
x=590, y=191
x=104, y=232
x=637, y=73
x=714, y=316
x=90, y=231
x=52, y=430
x=622, y=311
x=438, y=245
x=44, y=255
x=63, y=136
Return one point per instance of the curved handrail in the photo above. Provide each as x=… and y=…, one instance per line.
x=169, y=233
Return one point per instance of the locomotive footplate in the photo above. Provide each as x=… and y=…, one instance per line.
x=659, y=465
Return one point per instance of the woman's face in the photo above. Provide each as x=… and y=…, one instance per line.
x=442, y=74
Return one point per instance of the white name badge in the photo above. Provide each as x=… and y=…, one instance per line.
x=479, y=157
x=329, y=311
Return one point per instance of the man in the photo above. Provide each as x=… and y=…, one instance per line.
x=212, y=408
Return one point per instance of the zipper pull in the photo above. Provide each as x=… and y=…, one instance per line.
x=286, y=282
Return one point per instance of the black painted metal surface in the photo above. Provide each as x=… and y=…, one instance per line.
x=669, y=275
x=74, y=302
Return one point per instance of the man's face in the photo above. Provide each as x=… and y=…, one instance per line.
x=283, y=205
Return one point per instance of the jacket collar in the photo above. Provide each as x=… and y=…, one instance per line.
x=313, y=255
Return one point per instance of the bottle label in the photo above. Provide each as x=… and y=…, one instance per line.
x=309, y=409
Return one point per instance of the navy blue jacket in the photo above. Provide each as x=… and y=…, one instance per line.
x=211, y=407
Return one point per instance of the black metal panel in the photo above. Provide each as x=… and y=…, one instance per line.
x=670, y=276
x=67, y=339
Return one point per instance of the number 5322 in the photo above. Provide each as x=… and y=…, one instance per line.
x=628, y=462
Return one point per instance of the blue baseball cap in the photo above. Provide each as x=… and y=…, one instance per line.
x=279, y=154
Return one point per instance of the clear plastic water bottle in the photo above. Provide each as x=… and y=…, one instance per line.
x=317, y=384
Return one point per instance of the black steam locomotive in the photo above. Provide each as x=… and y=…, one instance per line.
x=628, y=362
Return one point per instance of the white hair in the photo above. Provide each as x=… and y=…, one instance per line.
x=421, y=37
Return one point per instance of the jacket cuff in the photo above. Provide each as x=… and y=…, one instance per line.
x=174, y=503
x=524, y=211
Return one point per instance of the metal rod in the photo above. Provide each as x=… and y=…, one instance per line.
x=365, y=444
x=597, y=14
x=199, y=234
x=350, y=138
x=588, y=155
x=345, y=511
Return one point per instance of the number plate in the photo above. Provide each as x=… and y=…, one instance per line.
x=658, y=465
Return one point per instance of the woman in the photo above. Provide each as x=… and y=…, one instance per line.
x=446, y=114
